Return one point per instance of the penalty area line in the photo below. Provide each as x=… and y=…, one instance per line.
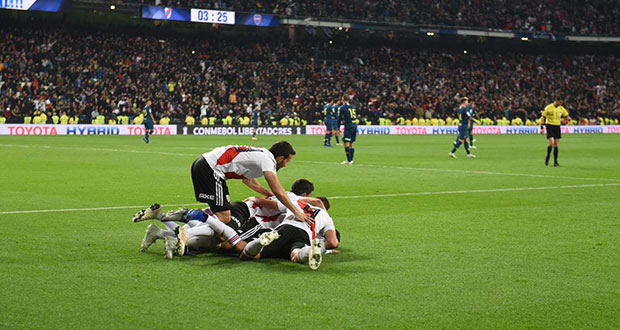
x=338, y=197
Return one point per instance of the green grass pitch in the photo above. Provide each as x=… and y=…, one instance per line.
x=496, y=242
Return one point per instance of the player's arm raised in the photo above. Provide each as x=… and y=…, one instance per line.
x=256, y=186
x=276, y=188
x=313, y=201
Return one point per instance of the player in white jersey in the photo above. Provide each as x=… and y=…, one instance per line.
x=211, y=170
x=202, y=227
x=294, y=240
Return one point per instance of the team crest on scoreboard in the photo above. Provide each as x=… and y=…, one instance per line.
x=168, y=12
x=258, y=18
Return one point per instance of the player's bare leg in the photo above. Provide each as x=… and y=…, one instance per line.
x=224, y=216
x=336, y=134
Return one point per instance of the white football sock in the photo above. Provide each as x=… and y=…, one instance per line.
x=253, y=248
x=223, y=230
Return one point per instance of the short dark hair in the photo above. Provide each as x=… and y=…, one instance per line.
x=302, y=186
x=325, y=202
x=558, y=98
x=463, y=99
x=282, y=148
x=346, y=98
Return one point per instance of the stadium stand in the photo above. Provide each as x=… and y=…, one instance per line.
x=554, y=16
x=95, y=76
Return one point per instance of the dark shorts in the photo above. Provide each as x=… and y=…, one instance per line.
x=239, y=215
x=350, y=133
x=148, y=125
x=209, y=188
x=331, y=125
x=255, y=123
x=249, y=230
x=553, y=131
x=290, y=239
x=463, y=133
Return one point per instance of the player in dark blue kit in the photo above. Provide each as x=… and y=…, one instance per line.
x=465, y=114
x=474, y=114
x=255, y=114
x=330, y=116
x=149, y=121
x=349, y=118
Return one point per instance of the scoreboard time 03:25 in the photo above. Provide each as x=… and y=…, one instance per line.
x=212, y=16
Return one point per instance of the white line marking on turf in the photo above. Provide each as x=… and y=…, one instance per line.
x=466, y=171
x=328, y=163
x=94, y=208
x=341, y=197
x=477, y=191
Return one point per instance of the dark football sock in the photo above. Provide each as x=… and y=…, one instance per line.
x=456, y=146
x=555, y=154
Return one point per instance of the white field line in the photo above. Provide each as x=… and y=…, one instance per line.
x=468, y=171
x=344, y=197
x=478, y=191
x=94, y=209
x=326, y=163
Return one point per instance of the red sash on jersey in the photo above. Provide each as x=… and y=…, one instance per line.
x=312, y=213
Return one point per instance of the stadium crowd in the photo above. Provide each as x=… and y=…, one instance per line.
x=554, y=16
x=102, y=77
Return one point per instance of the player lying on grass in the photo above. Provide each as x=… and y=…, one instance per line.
x=299, y=242
x=247, y=218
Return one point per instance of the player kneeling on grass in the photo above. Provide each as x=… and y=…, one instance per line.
x=297, y=241
x=248, y=219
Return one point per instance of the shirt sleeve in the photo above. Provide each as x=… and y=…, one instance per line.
x=267, y=165
x=545, y=112
x=564, y=112
x=328, y=226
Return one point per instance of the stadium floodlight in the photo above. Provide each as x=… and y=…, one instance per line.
x=525, y=39
x=112, y=7
x=465, y=51
x=193, y=52
x=340, y=28
x=430, y=34
x=331, y=42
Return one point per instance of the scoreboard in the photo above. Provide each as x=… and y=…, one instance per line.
x=212, y=16
x=41, y=5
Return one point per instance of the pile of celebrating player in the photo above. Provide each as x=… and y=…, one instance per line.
x=293, y=225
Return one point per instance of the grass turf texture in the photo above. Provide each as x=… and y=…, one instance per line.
x=496, y=259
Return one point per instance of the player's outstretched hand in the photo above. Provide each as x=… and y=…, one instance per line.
x=303, y=217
